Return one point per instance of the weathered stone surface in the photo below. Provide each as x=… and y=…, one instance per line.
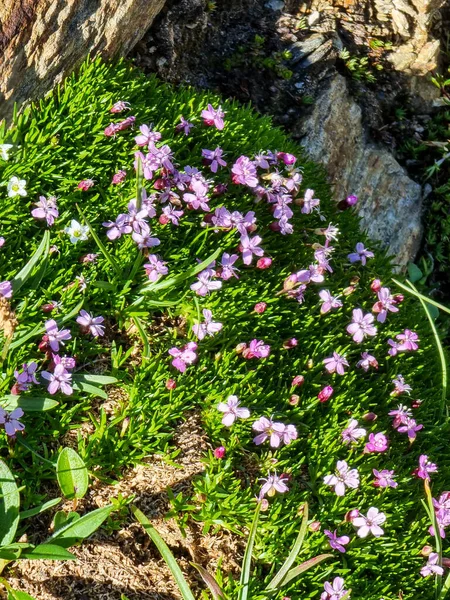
x=389, y=201
x=42, y=40
x=301, y=49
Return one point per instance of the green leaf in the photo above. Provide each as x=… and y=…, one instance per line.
x=9, y=505
x=21, y=277
x=72, y=533
x=165, y=553
x=48, y=552
x=415, y=274
x=279, y=577
x=99, y=379
x=109, y=257
x=415, y=293
x=72, y=474
x=215, y=589
x=27, y=403
x=37, y=510
x=18, y=595
x=247, y=560
x=308, y=564
x=445, y=588
x=81, y=386
x=144, y=337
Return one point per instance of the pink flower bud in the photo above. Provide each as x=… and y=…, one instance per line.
x=426, y=551
x=240, y=348
x=291, y=343
x=48, y=307
x=445, y=562
x=264, y=263
x=85, y=184
x=375, y=286
x=325, y=394
x=219, y=452
x=370, y=417
x=171, y=384
x=314, y=526
x=294, y=400
x=15, y=390
x=264, y=504
x=352, y=514
x=220, y=189
x=288, y=159
x=163, y=219
x=118, y=177
x=416, y=403
x=351, y=200
x=260, y=307
x=398, y=298
x=298, y=380
x=159, y=184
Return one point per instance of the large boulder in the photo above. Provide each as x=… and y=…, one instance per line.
x=43, y=40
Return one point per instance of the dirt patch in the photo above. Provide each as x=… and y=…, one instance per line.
x=124, y=561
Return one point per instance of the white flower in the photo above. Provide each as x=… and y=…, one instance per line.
x=16, y=187
x=370, y=524
x=77, y=232
x=4, y=149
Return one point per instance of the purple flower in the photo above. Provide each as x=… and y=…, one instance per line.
x=269, y=430
x=11, y=422
x=335, y=364
x=385, y=303
x=209, y=327
x=232, y=411
x=400, y=414
x=262, y=161
x=170, y=213
x=309, y=202
x=227, y=269
x=118, y=177
x=325, y=393
x=337, y=543
x=360, y=254
x=352, y=433
x=250, y=247
x=432, y=567
x=60, y=379
x=384, y=479
x=46, y=209
x=213, y=116
x=333, y=591
x=27, y=377
x=408, y=341
x=92, y=324
x=222, y=218
x=6, y=289
x=147, y=136
x=214, y=159
x=328, y=301
x=184, y=357
x=118, y=227
x=197, y=197
x=273, y=484
x=343, y=478
x=144, y=239
x=425, y=468
x=56, y=336
x=378, y=442
x=256, y=349
x=367, y=361
x=119, y=106
x=370, y=524
x=148, y=162
x=244, y=172
x=314, y=273
x=68, y=362
x=184, y=126
x=155, y=267
x=410, y=427
x=400, y=386
x=361, y=326
x=204, y=284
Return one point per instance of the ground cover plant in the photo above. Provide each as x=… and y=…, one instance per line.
x=195, y=256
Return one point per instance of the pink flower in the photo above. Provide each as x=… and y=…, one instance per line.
x=6, y=289
x=228, y=270
x=343, y=478
x=361, y=254
x=425, y=468
x=205, y=284
x=328, y=301
x=56, y=336
x=370, y=524
x=273, y=484
x=309, y=202
x=60, y=379
x=118, y=177
x=232, y=411
x=325, y=394
x=400, y=414
x=209, y=327
x=264, y=263
x=385, y=303
x=119, y=106
x=155, y=268
x=352, y=433
x=367, y=361
x=336, y=364
x=92, y=324
x=432, y=567
x=256, y=349
x=214, y=159
x=298, y=380
x=147, y=136
x=85, y=184
x=244, y=172
x=361, y=326
x=334, y=591
x=408, y=342
x=337, y=543
x=410, y=427
x=274, y=432
x=184, y=126
x=378, y=442
x=184, y=357
x=384, y=479
x=46, y=209
x=213, y=116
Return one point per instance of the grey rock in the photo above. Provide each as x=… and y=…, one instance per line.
x=313, y=18
x=323, y=53
x=389, y=201
x=301, y=49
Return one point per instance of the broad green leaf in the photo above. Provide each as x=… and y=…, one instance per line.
x=296, y=571
x=247, y=560
x=18, y=595
x=279, y=577
x=72, y=474
x=215, y=589
x=48, y=552
x=21, y=277
x=81, y=386
x=37, y=510
x=414, y=272
x=91, y=378
x=9, y=505
x=72, y=533
x=27, y=403
x=61, y=518
x=165, y=552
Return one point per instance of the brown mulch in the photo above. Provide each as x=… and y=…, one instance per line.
x=125, y=562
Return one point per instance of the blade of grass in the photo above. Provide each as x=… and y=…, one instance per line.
x=215, y=589
x=165, y=552
x=139, y=176
x=279, y=577
x=247, y=560
x=144, y=337
x=21, y=277
x=308, y=564
x=437, y=538
x=421, y=296
x=445, y=588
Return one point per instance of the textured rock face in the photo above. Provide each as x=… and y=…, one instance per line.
x=389, y=201
x=42, y=40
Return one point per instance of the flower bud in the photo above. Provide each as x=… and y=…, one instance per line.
x=125, y=424
x=398, y=298
x=48, y=307
x=325, y=394
x=348, y=290
x=159, y=184
x=264, y=262
x=274, y=226
x=43, y=345
x=445, y=562
x=416, y=403
x=290, y=282
x=370, y=417
x=298, y=381
x=220, y=189
x=310, y=363
x=15, y=390
x=118, y=177
x=375, y=286
x=264, y=504
x=352, y=514
x=85, y=184
x=171, y=384
x=294, y=400
x=291, y=343
x=288, y=159
x=163, y=219
x=260, y=307
x=351, y=200
x=240, y=348
x=426, y=551
x=219, y=452
x=314, y=526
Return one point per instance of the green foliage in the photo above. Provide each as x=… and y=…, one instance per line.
x=72, y=475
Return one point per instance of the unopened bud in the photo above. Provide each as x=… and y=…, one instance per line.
x=264, y=504
x=370, y=416
x=294, y=400
x=426, y=551
x=260, y=307
x=298, y=381
x=171, y=384
x=220, y=189
x=325, y=394
x=125, y=424
x=219, y=452
x=375, y=286
x=264, y=263
x=314, y=526
x=291, y=343
x=352, y=514
x=240, y=348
